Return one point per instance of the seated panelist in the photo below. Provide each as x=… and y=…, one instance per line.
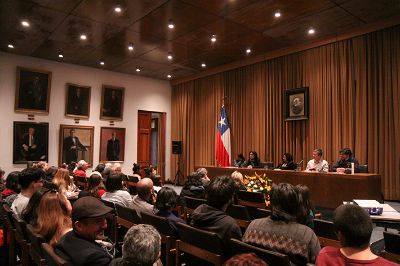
x=253, y=161
x=317, y=164
x=343, y=165
x=287, y=163
x=239, y=161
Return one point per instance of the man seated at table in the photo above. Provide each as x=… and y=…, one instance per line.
x=343, y=165
x=354, y=228
x=317, y=164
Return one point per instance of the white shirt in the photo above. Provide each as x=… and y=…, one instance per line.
x=120, y=197
x=19, y=204
x=321, y=166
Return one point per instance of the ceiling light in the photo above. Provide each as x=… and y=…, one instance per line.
x=169, y=76
x=169, y=56
x=203, y=65
x=10, y=46
x=60, y=55
x=137, y=69
x=248, y=50
x=214, y=38
x=25, y=23
x=171, y=24
x=102, y=63
x=130, y=47
x=311, y=31
x=118, y=9
x=277, y=14
x=83, y=37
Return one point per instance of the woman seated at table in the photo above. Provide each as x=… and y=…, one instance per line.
x=253, y=161
x=239, y=161
x=287, y=162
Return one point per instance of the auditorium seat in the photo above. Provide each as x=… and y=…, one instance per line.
x=240, y=214
x=392, y=246
x=326, y=233
x=9, y=233
x=35, y=250
x=191, y=205
x=51, y=257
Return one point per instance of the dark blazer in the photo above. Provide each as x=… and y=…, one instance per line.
x=71, y=155
x=289, y=166
x=113, y=150
x=80, y=251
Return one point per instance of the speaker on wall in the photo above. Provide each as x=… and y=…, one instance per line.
x=177, y=147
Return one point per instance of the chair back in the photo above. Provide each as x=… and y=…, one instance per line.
x=35, y=250
x=262, y=213
x=363, y=168
x=326, y=233
x=240, y=214
x=193, y=203
x=127, y=217
x=9, y=233
x=111, y=205
x=251, y=199
x=160, y=223
x=392, y=247
x=51, y=257
x=81, y=182
x=271, y=257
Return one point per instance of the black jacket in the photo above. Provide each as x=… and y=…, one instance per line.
x=289, y=166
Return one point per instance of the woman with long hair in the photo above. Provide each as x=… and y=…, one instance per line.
x=63, y=180
x=54, y=216
x=95, y=186
x=253, y=161
x=287, y=162
x=306, y=212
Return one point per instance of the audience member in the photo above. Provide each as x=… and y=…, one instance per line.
x=136, y=171
x=253, y=161
x=145, y=199
x=238, y=179
x=239, y=161
x=81, y=168
x=2, y=179
x=12, y=188
x=100, y=168
x=212, y=216
x=79, y=247
x=151, y=172
x=54, y=216
x=115, y=192
x=245, y=259
x=117, y=169
x=354, y=228
x=166, y=201
x=30, y=181
x=287, y=162
x=193, y=187
x=142, y=247
x=317, y=164
x=95, y=186
x=280, y=232
x=202, y=173
x=63, y=181
x=343, y=165
x=30, y=213
x=50, y=173
x=306, y=212
x=43, y=165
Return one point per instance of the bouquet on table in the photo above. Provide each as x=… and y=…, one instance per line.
x=259, y=183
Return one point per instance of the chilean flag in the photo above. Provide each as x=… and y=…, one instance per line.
x=223, y=140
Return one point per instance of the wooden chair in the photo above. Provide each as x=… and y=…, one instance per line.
x=81, y=182
x=191, y=205
x=127, y=217
x=167, y=238
x=262, y=213
x=131, y=184
x=251, y=199
x=200, y=244
x=392, y=246
x=271, y=257
x=21, y=238
x=51, y=257
x=9, y=233
x=326, y=233
x=240, y=214
x=35, y=250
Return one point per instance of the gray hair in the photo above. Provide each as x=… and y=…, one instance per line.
x=202, y=172
x=142, y=245
x=81, y=163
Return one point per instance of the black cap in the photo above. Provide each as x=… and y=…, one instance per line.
x=89, y=207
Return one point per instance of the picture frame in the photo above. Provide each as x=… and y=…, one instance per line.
x=30, y=142
x=75, y=144
x=112, y=149
x=32, y=94
x=296, y=104
x=112, y=103
x=77, y=103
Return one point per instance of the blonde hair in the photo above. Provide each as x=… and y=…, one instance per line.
x=237, y=178
x=62, y=179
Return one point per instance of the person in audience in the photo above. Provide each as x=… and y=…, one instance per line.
x=193, y=187
x=145, y=198
x=43, y=165
x=213, y=217
x=245, y=259
x=141, y=247
x=239, y=161
x=100, y=168
x=151, y=173
x=107, y=172
x=50, y=173
x=79, y=247
x=136, y=171
x=317, y=164
x=30, y=181
x=202, y=173
x=354, y=228
x=11, y=188
x=287, y=162
x=343, y=165
x=253, y=161
x=95, y=186
x=280, y=232
x=115, y=192
x=117, y=168
x=53, y=216
x=63, y=181
x=238, y=179
x=30, y=213
x=81, y=168
x=166, y=201
x=2, y=179
x=306, y=213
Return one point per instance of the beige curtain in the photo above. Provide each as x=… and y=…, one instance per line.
x=353, y=102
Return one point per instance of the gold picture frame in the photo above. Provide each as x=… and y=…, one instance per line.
x=112, y=103
x=77, y=102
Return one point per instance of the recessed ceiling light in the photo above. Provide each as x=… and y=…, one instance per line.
x=213, y=38
x=130, y=47
x=169, y=76
x=25, y=23
x=203, y=65
x=169, y=56
x=137, y=69
x=83, y=37
x=118, y=9
x=311, y=31
x=171, y=24
x=102, y=63
x=277, y=14
x=60, y=55
x=11, y=46
x=248, y=50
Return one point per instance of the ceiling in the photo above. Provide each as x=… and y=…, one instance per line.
x=56, y=26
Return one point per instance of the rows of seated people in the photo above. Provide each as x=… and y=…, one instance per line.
x=77, y=232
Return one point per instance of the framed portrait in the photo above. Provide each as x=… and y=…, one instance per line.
x=112, y=144
x=296, y=104
x=77, y=104
x=76, y=143
x=32, y=94
x=30, y=142
x=112, y=103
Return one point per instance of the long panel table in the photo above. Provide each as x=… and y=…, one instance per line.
x=328, y=190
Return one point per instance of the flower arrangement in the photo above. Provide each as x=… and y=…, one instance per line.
x=259, y=183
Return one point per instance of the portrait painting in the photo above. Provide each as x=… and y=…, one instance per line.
x=76, y=143
x=32, y=94
x=31, y=142
x=112, y=144
x=78, y=101
x=296, y=104
x=112, y=103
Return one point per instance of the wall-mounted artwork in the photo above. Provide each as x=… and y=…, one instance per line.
x=31, y=141
x=296, y=104
x=32, y=94
x=76, y=143
x=112, y=144
x=112, y=103
x=78, y=101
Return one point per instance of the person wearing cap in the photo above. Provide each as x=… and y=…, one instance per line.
x=79, y=246
x=344, y=162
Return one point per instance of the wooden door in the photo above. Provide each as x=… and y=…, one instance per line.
x=144, y=138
